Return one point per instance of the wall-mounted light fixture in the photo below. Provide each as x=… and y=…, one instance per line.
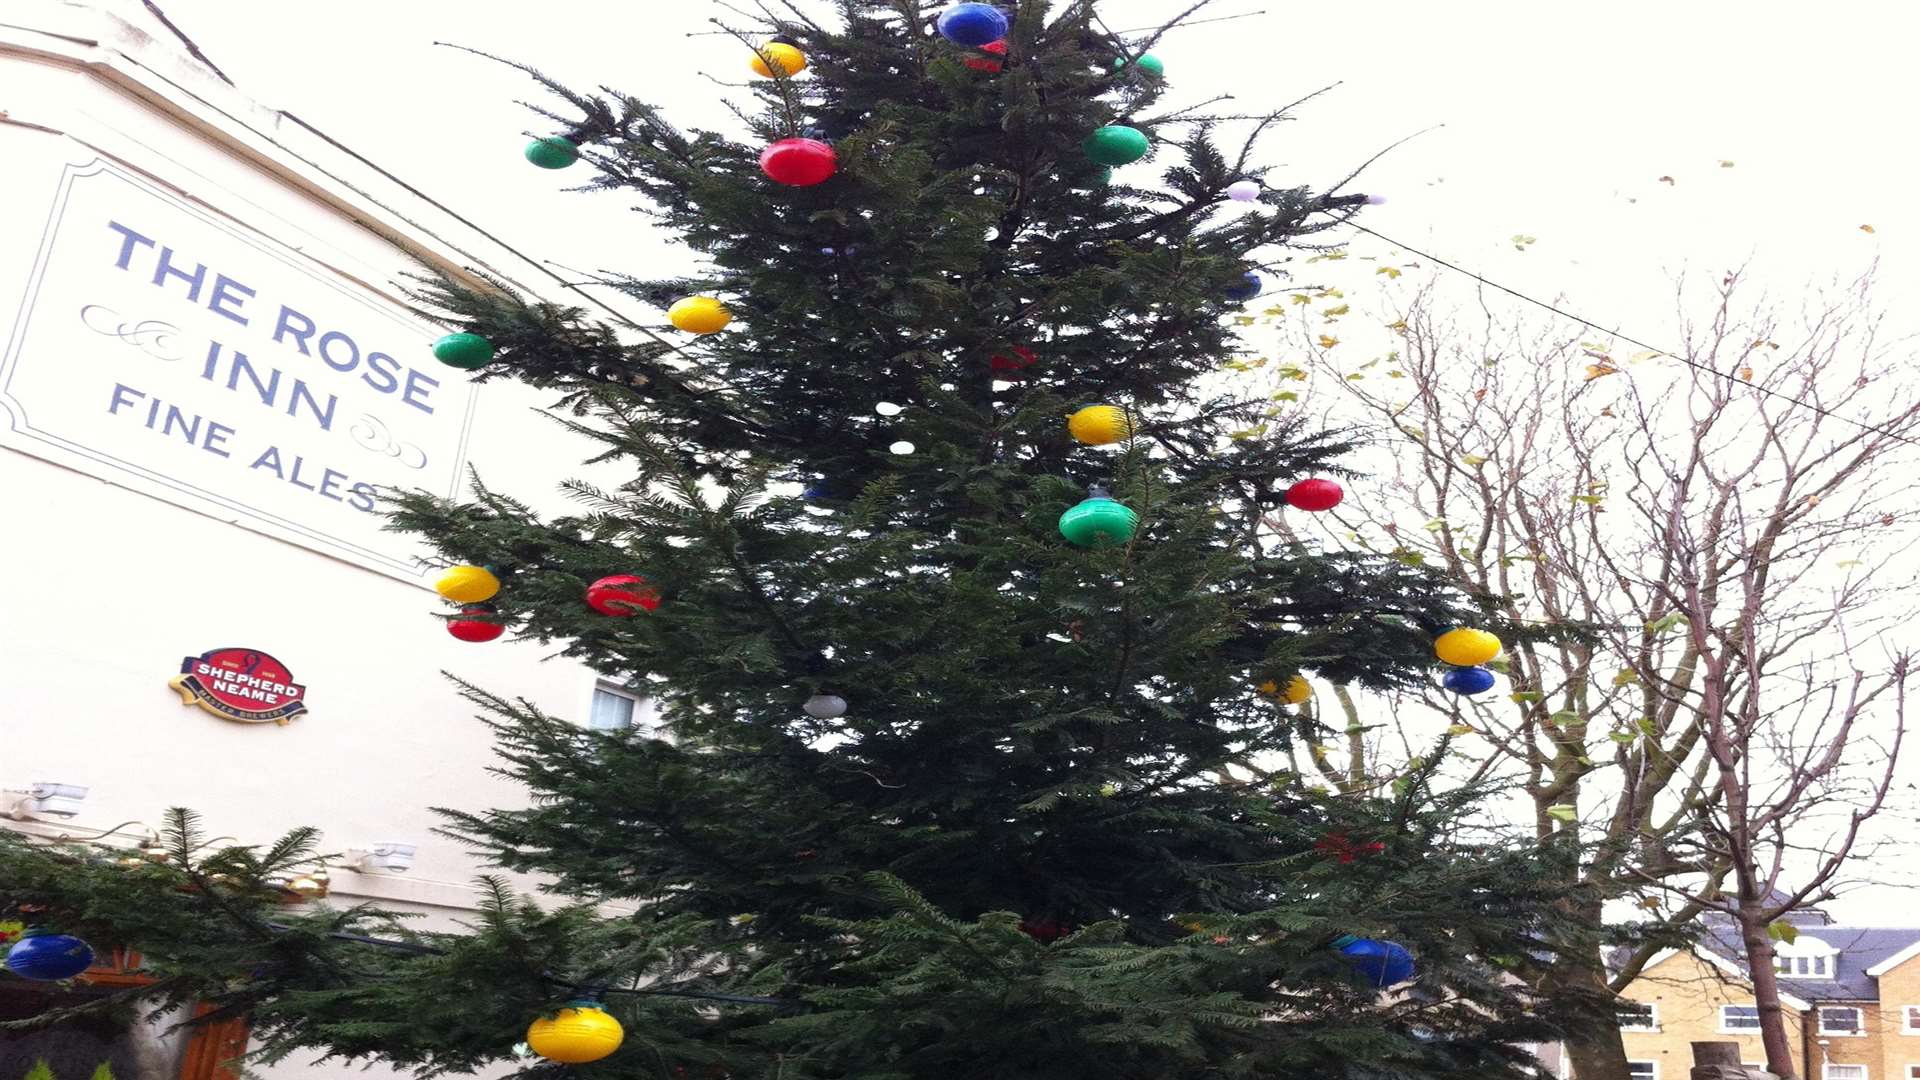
x=44, y=800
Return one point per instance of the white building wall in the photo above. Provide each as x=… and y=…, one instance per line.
x=112, y=571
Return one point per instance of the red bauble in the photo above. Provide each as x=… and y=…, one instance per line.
x=622, y=595
x=473, y=626
x=1315, y=495
x=1044, y=929
x=1022, y=357
x=1336, y=845
x=798, y=162
x=989, y=64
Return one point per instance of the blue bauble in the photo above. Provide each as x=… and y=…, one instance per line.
x=48, y=957
x=1468, y=680
x=1248, y=288
x=972, y=25
x=1382, y=962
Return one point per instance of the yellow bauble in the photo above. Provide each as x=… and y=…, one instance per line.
x=467, y=584
x=1298, y=690
x=699, y=315
x=577, y=1034
x=1465, y=647
x=1098, y=425
x=791, y=61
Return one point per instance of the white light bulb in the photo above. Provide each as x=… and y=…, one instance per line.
x=825, y=706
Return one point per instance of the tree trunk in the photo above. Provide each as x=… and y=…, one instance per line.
x=1594, y=1055
x=1766, y=992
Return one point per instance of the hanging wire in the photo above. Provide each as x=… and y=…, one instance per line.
x=1589, y=323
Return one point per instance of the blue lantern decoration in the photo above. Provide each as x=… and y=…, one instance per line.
x=1248, y=288
x=1382, y=962
x=48, y=957
x=1468, y=680
x=972, y=25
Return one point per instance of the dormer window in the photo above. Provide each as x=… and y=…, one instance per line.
x=1805, y=958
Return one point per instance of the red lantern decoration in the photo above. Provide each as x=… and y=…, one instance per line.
x=798, y=162
x=1022, y=357
x=989, y=64
x=1335, y=845
x=1044, y=929
x=1315, y=495
x=622, y=595
x=473, y=626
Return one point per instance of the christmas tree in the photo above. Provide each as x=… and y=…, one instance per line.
x=959, y=776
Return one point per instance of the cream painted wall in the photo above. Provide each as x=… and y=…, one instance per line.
x=109, y=582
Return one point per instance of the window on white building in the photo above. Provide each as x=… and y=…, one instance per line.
x=1638, y=1015
x=613, y=708
x=1739, y=1018
x=1840, y=1020
x=1844, y=1072
x=1806, y=957
x=1643, y=1070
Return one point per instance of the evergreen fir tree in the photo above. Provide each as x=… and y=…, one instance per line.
x=1040, y=841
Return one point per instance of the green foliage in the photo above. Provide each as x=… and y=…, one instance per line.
x=1040, y=737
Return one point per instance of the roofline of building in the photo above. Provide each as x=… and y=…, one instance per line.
x=1727, y=967
x=1895, y=960
x=178, y=78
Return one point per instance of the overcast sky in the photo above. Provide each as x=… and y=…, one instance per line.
x=1783, y=127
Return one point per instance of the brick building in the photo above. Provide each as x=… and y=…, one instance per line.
x=1851, y=995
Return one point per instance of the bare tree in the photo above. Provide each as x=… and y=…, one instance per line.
x=1667, y=631
x=1774, y=516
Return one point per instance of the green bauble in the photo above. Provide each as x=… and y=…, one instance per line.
x=1116, y=144
x=552, y=152
x=1148, y=62
x=1099, y=522
x=467, y=351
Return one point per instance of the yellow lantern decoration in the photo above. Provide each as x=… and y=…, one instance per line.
x=1466, y=647
x=1098, y=425
x=575, y=1035
x=789, y=60
x=467, y=584
x=699, y=315
x=1298, y=690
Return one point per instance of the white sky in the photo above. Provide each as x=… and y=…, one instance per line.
x=1558, y=122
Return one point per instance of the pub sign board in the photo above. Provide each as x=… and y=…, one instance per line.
x=162, y=346
x=244, y=685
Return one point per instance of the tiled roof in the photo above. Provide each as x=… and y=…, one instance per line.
x=1861, y=947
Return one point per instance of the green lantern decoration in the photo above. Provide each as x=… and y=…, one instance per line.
x=1099, y=521
x=466, y=351
x=1116, y=144
x=553, y=152
x=1146, y=62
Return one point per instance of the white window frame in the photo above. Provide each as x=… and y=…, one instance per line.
x=1859, y=1021
x=1826, y=1071
x=1913, y=1072
x=603, y=686
x=1654, y=1066
x=1653, y=1016
x=1907, y=1016
x=1726, y=1030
